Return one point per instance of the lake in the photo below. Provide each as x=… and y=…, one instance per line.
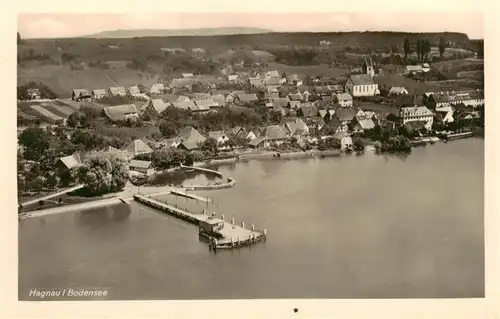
x=367, y=226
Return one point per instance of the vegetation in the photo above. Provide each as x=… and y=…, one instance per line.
x=45, y=91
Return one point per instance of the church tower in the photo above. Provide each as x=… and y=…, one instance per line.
x=368, y=66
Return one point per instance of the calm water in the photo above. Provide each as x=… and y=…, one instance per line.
x=349, y=227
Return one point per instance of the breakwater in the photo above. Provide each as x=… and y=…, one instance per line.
x=230, y=182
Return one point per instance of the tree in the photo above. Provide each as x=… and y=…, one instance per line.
x=19, y=40
x=168, y=128
x=209, y=147
x=103, y=173
x=419, y=49
x=358, y=145
x=407, y=48
x=73, y=120
x=442, y=47
x=35, y=142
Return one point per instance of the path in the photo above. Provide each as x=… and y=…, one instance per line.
x=59, y=193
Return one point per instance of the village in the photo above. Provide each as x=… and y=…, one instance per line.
x=254, y=113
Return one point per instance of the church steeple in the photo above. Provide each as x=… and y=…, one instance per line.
x=368, y=66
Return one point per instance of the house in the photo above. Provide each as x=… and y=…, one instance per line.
x=361, y=85
x=80, y=94
x=295, y=96
x=293, y=79
x=274, y=135
x=344, y=139
x=467, y=98
x=412, y=69
x=256, y=82
x=169, y=98
x=272, y=74
x=184, y=105
x=33, y=93
x=417, y=114
x=426, y=67
x=190, y=138
x=444, y=115
x=334, y=126
x=117, y=91
x=154, y=107
x=204, y=105
x=246, y=98
x=219, y=136
x=121, y=112
x=258, y=142
x=294, y=105
x=343, y=99
x=182, y=84
x=134, y=91
x=182, y=98
x=271, y=94
x=70, y=162
x=187, y=75
x=232, y=77
x=345, y=115
x=219, y=99
x=307, y=110
x=293, y=126
x=326, y=114
x=273, y=82
x=98, y=94
x=136, y=148
x=144, y=167
x=361, y=124
x=397, y=90
x=157, y=88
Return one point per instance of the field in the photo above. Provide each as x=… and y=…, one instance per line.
x=62, y=80
x=326, y=70
x=134, y=133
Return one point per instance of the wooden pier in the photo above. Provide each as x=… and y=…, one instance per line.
x=220, y=234
x=188, y=195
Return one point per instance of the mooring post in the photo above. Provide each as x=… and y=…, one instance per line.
x=242, y=224
x=232, y=221
x=253, y=227
x=222, y=217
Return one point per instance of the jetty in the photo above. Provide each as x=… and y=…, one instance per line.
x=189, y=195
x=219, y=233
x=50, y=196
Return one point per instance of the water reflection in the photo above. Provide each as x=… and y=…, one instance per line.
x=103, y=216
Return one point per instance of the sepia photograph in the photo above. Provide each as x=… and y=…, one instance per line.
x=229, y=156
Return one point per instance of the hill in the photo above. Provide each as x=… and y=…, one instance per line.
x=118, y=34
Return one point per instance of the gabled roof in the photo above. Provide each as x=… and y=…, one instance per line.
x=412, y=111
x=275, y=132
x=110, y=149
x=206, y=104
x=169, y=97
x=216, y=134
x=257, y=141
x=280, y=102
x=272, y=81
x=295, y=96
x=182, y=98
x=340, y=135
x=71, y=161
x=248, y=97
x=256, y=82
x=308, y=110
x=99, y=92
x=190, y=135
x=292, y=78
x=182, y=82
x=134, y=90
x=416, y=125
x=158, y=104
x=140, y=164
x=361, y=79
x=273, y=73
x=294, y=104
x=185, y=105
x=81, y=92
x=120, y=112
x=397, y=90
x=344, y=97
x=138, y=147
x=365, y=123
x=345, y=114
x=219, y=99
x=157, y=87
x=295, y=125
x=117, y=90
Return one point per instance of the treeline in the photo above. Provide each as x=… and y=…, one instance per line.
x=24, y=90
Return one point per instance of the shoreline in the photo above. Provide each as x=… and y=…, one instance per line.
x=126, y=196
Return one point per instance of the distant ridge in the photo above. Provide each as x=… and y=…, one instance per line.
x=115, y=34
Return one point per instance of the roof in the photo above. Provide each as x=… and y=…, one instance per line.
x=411, y=68
x=110, y=149
x=308, y=110
x=345, y=114
x=120, y=112
x=272, y=81
x=201, y=96
x=280, y=102
x=365, y=123
x=295, y=96
x=138, y=147
x=182, y=82
x=134, y=90
x=71, y=161
x=219, y=99
x=206, y=104
x=294, y=104
x=295, y=125
x=256, y=82
x=412, y=111
x=216, y=134
x=340, y=135
x=416, y=125
x=187, y=75
x=185, y=105
x=292, y=78
x=182, y=98
x=248, y=97
x=257, y=141
x=397, y=90
x=169, y=97
x=361, y=79
x=81, y=92
x=157, y=87
x=344, y=97
x=274, y=132
x=139, y=164
x=117, y=90
x=158, y=104
x=99, y=92
x=190, y=135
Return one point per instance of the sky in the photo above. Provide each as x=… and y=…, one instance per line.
x=58, y=25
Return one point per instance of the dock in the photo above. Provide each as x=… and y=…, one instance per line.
x=188, y=195
x=220, y=234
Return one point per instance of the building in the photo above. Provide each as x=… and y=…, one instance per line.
x=361, y=124
x=246, y=98
x=190, y=138
x=98, y=94
x=361, y=85
x=417, y=114
x=187, y=75
x=144, y=167
x=219, y=136
x=344, y=139
x=343, y=99
x=134, y=91
x=232, y=77
x=307, y=110
x=34, y=93
x=157, y=88
x=274, y=135
x=444, y=115
x=296, y=127
x=136, y=148
x=154, y=107
x=117, y=91
x=345, y=115
x=80, y=94
x=367, y=67
x=121, y=112
x=206, y=104
x=184, y=105
x=397, y=90
x=467, y=98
